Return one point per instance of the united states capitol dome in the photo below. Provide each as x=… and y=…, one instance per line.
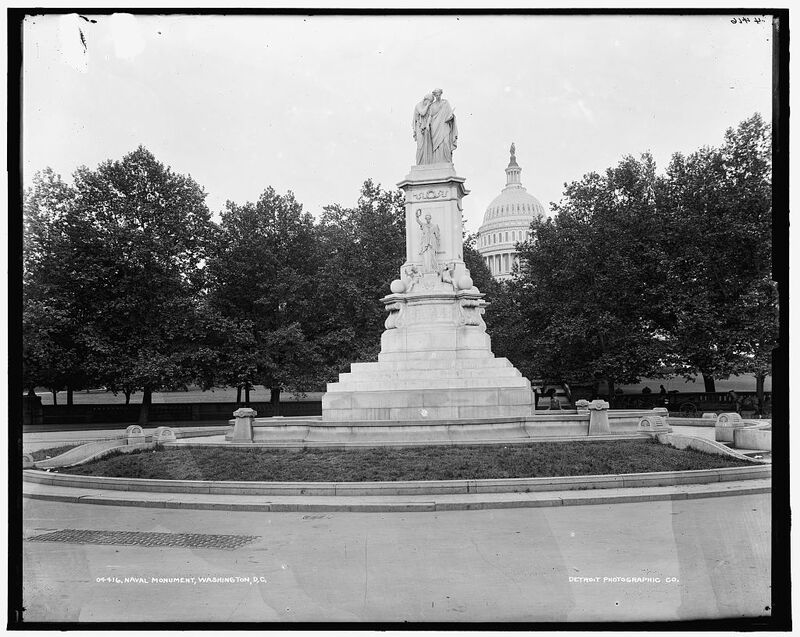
x=507, y=221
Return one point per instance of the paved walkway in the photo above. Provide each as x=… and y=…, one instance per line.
x=711, y=557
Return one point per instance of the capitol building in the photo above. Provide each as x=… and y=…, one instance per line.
x=506, y=222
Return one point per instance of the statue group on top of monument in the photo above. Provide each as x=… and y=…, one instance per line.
x=435, y=129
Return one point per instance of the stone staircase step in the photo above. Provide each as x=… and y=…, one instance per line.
x=433, y=363
x=428, y=383
x=429, y=374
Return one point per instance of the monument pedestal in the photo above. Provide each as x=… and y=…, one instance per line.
x=436, y=361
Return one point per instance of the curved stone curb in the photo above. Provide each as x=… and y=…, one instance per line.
x=83, y=453
x=421, y=487
x=398, y=505
x=682, y=441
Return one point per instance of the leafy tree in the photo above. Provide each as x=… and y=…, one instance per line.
x=139, y=234
x=717, y=217
x=586, y=301
x=478, y=270
x=362, y=249
x=52, y=330
x=263, y=281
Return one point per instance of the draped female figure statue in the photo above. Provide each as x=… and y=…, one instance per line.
x=422, y=130
x=429, y=240
x=435, y=129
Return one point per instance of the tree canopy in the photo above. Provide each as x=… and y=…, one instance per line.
x=125, y=264
x=639, y=274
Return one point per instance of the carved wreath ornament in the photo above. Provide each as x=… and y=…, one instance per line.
x=430, y=194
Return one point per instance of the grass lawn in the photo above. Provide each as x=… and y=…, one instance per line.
x=52, y=452
x=397, y=463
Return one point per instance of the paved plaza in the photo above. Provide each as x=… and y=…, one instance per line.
x=673, y=560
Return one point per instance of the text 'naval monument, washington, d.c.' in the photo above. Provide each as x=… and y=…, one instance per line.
x=436, y=361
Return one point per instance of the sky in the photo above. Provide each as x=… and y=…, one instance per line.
x=318, y=104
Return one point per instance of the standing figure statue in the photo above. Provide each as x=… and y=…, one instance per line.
x=428, y=243
x=435, y=129
x=422, y=130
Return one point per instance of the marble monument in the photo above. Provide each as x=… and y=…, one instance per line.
x=436, y=361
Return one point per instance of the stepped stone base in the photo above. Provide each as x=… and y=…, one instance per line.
x=448, y=389
x=435, y=364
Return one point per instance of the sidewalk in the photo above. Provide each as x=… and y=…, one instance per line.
x=697, y=559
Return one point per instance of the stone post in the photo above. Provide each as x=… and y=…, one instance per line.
x=723, y=430
x=598, y=418
x=135, y=435
x=164, y=434
x=243, y=427
x=582, y=406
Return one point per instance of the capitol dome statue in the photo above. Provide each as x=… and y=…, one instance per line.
x=507, y=222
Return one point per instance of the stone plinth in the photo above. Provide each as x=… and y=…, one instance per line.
x=598, y=417
x=243, y=427
x=135, y=435
x=435, y=190
x=436, y=360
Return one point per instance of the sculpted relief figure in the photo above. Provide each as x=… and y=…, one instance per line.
x=428, y=243
x=412, y=277
x=435, y=129
x=449, y=274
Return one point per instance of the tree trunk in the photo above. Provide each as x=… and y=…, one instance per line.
x=710, y=386
x=760, y=393
x=128, y=393
x=238, y=394
x=69, y=395
x=275, y=400
x=55, y=396
x=247, y=395
x=144, y=411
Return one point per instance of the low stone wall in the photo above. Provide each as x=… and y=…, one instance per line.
x=753, y=438
x=539, y=426
x=627, y=420
x=692, y=422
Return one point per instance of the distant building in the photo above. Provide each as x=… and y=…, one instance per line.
x=507, y=222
